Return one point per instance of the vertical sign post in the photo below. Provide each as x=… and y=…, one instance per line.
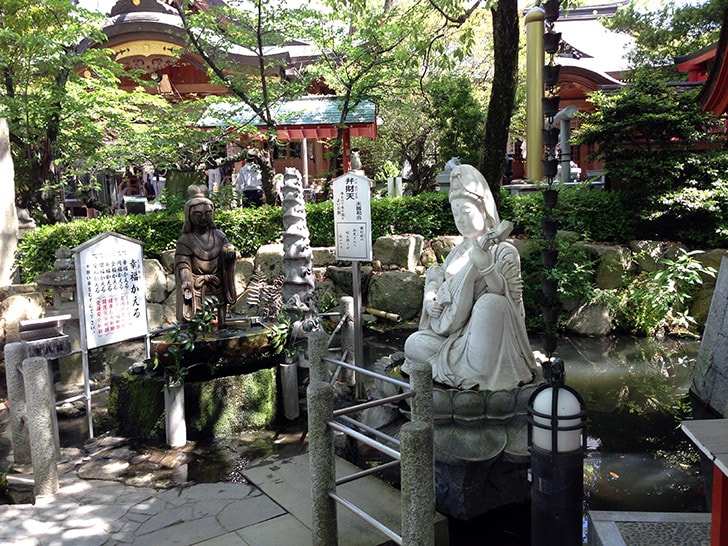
x=353, y=234
x=112, y=304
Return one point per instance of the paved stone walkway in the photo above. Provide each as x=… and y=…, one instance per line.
x=93, y=512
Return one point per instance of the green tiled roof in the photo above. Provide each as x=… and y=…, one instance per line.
x=319, y=110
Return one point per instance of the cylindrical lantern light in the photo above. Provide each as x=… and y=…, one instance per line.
x=557, y=441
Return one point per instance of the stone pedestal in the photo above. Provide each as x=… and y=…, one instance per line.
x=471, y=489
x=218, y=407
x=481, y=449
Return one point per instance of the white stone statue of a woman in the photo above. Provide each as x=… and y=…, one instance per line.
x=472, y=329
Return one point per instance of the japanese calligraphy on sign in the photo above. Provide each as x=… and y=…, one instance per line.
x=352, y=218
x=112, y=292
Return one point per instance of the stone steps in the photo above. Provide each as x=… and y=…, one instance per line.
x=287, y=482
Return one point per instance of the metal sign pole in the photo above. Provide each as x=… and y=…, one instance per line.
x=87, y=385
x=358, y=336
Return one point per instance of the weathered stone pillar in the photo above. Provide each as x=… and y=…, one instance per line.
x=418, y=484
x=8, y=214
x=41, y=425
x=421, y=381
x=322, y=464
x=14, y=356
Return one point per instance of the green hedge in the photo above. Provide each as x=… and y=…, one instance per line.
x=595, y=215
x=609, y=217
x=248, y=228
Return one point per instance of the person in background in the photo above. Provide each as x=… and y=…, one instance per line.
x=149, y=190
x=249, y=182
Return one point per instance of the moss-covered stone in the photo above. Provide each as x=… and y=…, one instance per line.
x=218, y=407
x=136, y=402
x=229, y=405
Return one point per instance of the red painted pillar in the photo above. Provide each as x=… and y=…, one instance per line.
x=719, y=517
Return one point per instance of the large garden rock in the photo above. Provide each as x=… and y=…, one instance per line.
x=443, y=244
x=591, y=319
x=244, y=270
x=341, y=277
x=269, y=260
x=323, y=256
x=167, y=260
x=613, y=264
x=155, y=316
x=711, y=258
x=398, y=292
x=402, y=251
x=155, y=279
x=648, y=255
x=17, y=307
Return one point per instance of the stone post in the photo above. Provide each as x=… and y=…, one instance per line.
x=421, y=382
x=14, y=355
x=9, y=224
x=317, y=350
x=174, y=415
x=41, y=424
x=418, y=484
x=322, y=464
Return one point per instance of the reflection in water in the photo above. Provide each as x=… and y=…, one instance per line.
x=636, y=391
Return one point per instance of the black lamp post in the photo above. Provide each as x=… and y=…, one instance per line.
x=557, y=441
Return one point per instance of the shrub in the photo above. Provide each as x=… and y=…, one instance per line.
x=574, y=270
x=656, y=304
x=607, y=217
x=594, y=215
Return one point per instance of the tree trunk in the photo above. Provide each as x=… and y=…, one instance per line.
x=51, y=202
x=267, y=171
x=502, y=97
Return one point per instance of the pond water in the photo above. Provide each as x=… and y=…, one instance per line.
x=636, y=392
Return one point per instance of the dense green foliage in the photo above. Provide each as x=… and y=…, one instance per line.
x=594, y=215
x=660, y=151
x=458, y=117
x=657, y=303
x=246, y=229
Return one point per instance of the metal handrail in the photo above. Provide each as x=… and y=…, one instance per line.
x=374, y=432
x=366, y=517
x=417, y=474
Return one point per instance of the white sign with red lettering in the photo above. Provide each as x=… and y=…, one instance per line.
x=112, y=293
x=352, y=218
